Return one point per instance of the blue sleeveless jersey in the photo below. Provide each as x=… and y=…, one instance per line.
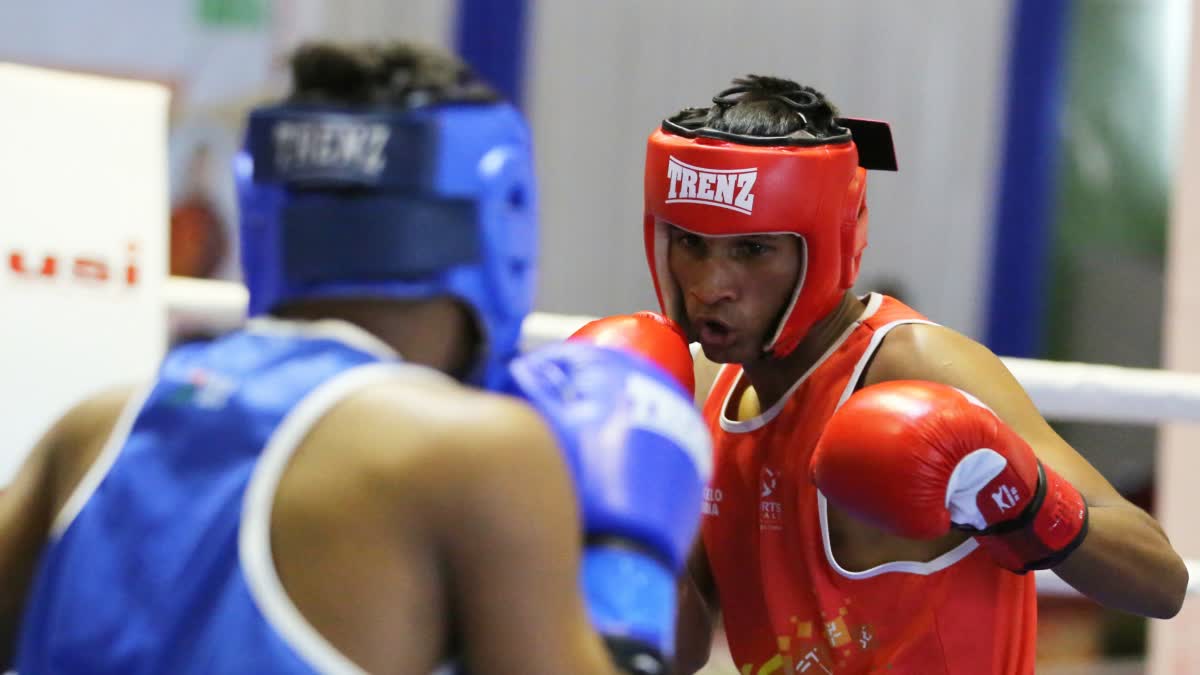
x=160, y=562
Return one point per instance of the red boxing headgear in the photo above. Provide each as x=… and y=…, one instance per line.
x=713, y=183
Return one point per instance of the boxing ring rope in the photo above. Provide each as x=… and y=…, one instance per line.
x=1062, y=391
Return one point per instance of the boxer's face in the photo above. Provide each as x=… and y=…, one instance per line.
x=734, y=289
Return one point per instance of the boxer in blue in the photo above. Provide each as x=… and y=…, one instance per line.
x=366, y=477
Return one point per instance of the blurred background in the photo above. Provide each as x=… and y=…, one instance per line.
x=1034, y=137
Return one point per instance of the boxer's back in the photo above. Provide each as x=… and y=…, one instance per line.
x=249, y=455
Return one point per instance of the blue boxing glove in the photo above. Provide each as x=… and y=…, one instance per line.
x=640, y=455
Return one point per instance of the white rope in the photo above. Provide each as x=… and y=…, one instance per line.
x=1049, y=583
x=1102, y=393
x=202, y=305
x=541, y=328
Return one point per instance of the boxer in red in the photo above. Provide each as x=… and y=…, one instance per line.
x=882, y=485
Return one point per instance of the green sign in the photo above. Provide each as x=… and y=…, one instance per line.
x=250, y=13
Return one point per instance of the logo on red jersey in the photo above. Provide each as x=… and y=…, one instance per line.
x=770, y=511
x=767, y=482
x=727, y=188
x=712, y=501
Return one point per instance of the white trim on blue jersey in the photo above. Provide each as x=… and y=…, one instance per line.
x=104, y=461
x=254, y=537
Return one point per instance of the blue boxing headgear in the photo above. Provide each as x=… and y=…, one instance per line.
x=433, y=201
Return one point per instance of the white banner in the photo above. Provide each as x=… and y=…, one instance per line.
x=83, y=212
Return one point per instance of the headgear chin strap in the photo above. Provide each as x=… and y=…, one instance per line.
x=715, y=183
x=434, y=201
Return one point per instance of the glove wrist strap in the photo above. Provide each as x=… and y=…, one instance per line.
x=631, y=600
x=1053, y=525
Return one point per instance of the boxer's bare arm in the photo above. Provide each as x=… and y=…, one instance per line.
x=699, y=609
x=1126, y=561
x=512, y=543
x=420, y=523
x=25, y=515
x=29, y=504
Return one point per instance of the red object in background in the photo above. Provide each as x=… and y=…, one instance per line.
x=198, y=239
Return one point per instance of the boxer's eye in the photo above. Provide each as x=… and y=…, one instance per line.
x=750, y=248
x=688, y=241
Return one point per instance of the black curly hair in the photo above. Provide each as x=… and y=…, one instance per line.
x=396, y=74
x=760, y=105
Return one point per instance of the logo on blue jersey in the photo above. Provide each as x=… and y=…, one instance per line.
x=202, y=389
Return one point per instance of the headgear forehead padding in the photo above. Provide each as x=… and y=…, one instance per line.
x=408, y=204
x=721, y=184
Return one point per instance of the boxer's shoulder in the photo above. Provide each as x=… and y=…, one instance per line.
x=93, y=416
x=78, y=437
x=436, y=413
x=445, y=465
x=919, y=351
x=412, y=435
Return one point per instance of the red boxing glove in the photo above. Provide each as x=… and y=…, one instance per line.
x=917, y=458
x=647, y=334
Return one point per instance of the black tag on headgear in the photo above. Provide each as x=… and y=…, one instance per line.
x=876, y=149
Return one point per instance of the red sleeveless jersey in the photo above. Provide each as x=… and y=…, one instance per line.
x=788, y=606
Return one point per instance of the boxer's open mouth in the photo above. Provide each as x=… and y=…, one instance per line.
x=715, y=333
